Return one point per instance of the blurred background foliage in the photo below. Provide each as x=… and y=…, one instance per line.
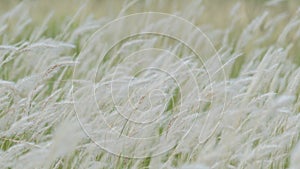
x=217, y=14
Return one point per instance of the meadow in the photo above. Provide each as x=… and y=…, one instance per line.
x=209, y=84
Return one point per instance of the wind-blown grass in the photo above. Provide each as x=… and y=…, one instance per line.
x=237, y=108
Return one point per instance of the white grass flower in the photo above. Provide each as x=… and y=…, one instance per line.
x=109, y=84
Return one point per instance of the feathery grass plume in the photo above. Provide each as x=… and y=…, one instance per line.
x=295, y=158
x=150, y=84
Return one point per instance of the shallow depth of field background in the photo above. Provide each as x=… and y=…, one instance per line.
x=251, y=118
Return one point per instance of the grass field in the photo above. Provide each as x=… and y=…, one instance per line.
x=190, y=84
